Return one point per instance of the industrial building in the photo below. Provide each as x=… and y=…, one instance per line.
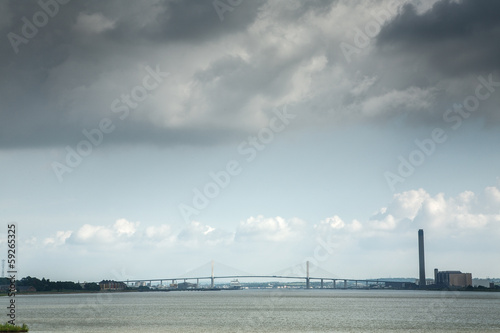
x=452, y=279
x=186, y=285
x=444, y=279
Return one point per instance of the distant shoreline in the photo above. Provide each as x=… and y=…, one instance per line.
x=68, y=292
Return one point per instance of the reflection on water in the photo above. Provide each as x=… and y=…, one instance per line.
x=263, y=311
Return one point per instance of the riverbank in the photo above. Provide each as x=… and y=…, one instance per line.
x=6, y=328
x=133, y=290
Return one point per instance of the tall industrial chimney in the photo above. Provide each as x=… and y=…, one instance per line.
x=421, y=260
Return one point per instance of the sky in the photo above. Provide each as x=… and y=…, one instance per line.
x=145, y=139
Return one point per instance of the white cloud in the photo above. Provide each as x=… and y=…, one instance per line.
x=94, y=234
x=162, y=236
x=121, y=230
x=439, y=214
x=197, y=234
x=448, y=219
x=493, y=194
x=455, y=226
x=59, y=239
x=411, y=210
x=491, y=197
x=404, y=207
x=334, y=222
x=336, y=225
x=275, y=229
x=396, y=101
x=387, y=223
x=124, y=227
x=159, y=232
x=362, y=85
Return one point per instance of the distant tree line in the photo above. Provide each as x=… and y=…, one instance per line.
x=47, y=285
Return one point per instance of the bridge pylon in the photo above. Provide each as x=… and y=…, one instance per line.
x=307, y=275
x=212, y=278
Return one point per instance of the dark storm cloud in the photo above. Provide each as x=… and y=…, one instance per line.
x=62, y=78
x=293, y=11
x=187, y=21
x=453, y=37
x=230, y=68
x=28, y=118
x=164, y=20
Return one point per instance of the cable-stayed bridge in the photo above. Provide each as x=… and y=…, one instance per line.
x=326, y=279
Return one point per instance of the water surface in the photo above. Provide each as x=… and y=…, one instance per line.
x=263, y=311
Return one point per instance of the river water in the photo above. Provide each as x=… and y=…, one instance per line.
x=278, y=310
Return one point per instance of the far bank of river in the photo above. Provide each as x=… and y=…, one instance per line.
x=133, y=290
x=262, y=310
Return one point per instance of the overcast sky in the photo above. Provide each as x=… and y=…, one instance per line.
x=142, y=139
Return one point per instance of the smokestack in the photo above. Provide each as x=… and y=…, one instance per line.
x=421, y=260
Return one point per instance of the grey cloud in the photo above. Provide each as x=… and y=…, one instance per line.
x=227, y=76
x=64, y=79
x=292, y=11
x=185, y=21
x=49, y=89
x=454, y=38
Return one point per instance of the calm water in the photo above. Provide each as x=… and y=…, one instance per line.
x=263, y=311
